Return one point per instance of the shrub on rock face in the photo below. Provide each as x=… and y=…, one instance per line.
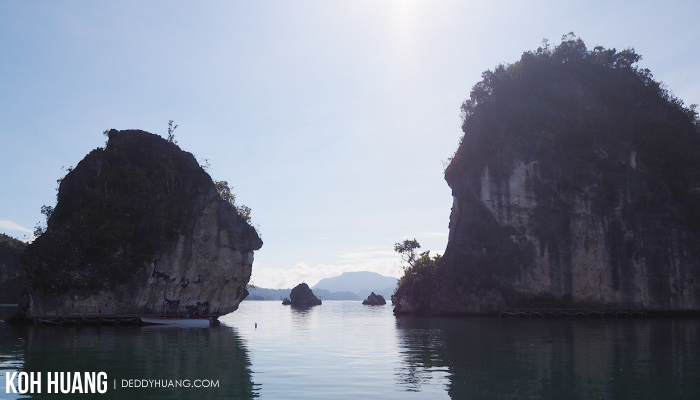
x=418, y=280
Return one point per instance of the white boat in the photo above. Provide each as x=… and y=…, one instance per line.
x=178, y=322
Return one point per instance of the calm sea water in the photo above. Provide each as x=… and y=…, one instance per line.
x=347, y=350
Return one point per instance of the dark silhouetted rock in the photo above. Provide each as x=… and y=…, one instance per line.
x=374, y=300
x=302, y=295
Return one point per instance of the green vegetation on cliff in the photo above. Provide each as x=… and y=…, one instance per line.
x=418, y=280
x=116, y=209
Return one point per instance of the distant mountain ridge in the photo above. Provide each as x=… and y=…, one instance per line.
x=360, y=282
x=347, y=286
x=279, y=294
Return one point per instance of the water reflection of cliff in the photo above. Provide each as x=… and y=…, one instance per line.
x=11, y=353
x=573, y=359
x=160, y=354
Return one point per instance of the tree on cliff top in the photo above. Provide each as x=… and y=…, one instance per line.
x=418, y=270
x=171, y=132
x=575, y=58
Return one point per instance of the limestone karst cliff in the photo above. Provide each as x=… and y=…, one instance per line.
x=139, y=224
x=577, y=181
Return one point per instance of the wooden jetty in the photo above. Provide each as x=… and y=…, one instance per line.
x=599, y=310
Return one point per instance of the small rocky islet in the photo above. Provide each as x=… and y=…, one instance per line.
x=374, y=300
x=302, y=295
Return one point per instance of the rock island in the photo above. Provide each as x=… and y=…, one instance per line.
x=140, y=226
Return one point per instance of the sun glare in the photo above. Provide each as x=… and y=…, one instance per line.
x=404, y=12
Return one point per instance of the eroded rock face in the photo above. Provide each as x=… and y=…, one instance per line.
x=174, y=243
x=522, y=241
x=207, y=267
x=617, y=237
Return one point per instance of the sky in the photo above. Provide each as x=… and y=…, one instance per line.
x=332, y=120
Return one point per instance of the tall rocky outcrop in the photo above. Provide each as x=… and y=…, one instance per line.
x=140, y=224
x=577, y=182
